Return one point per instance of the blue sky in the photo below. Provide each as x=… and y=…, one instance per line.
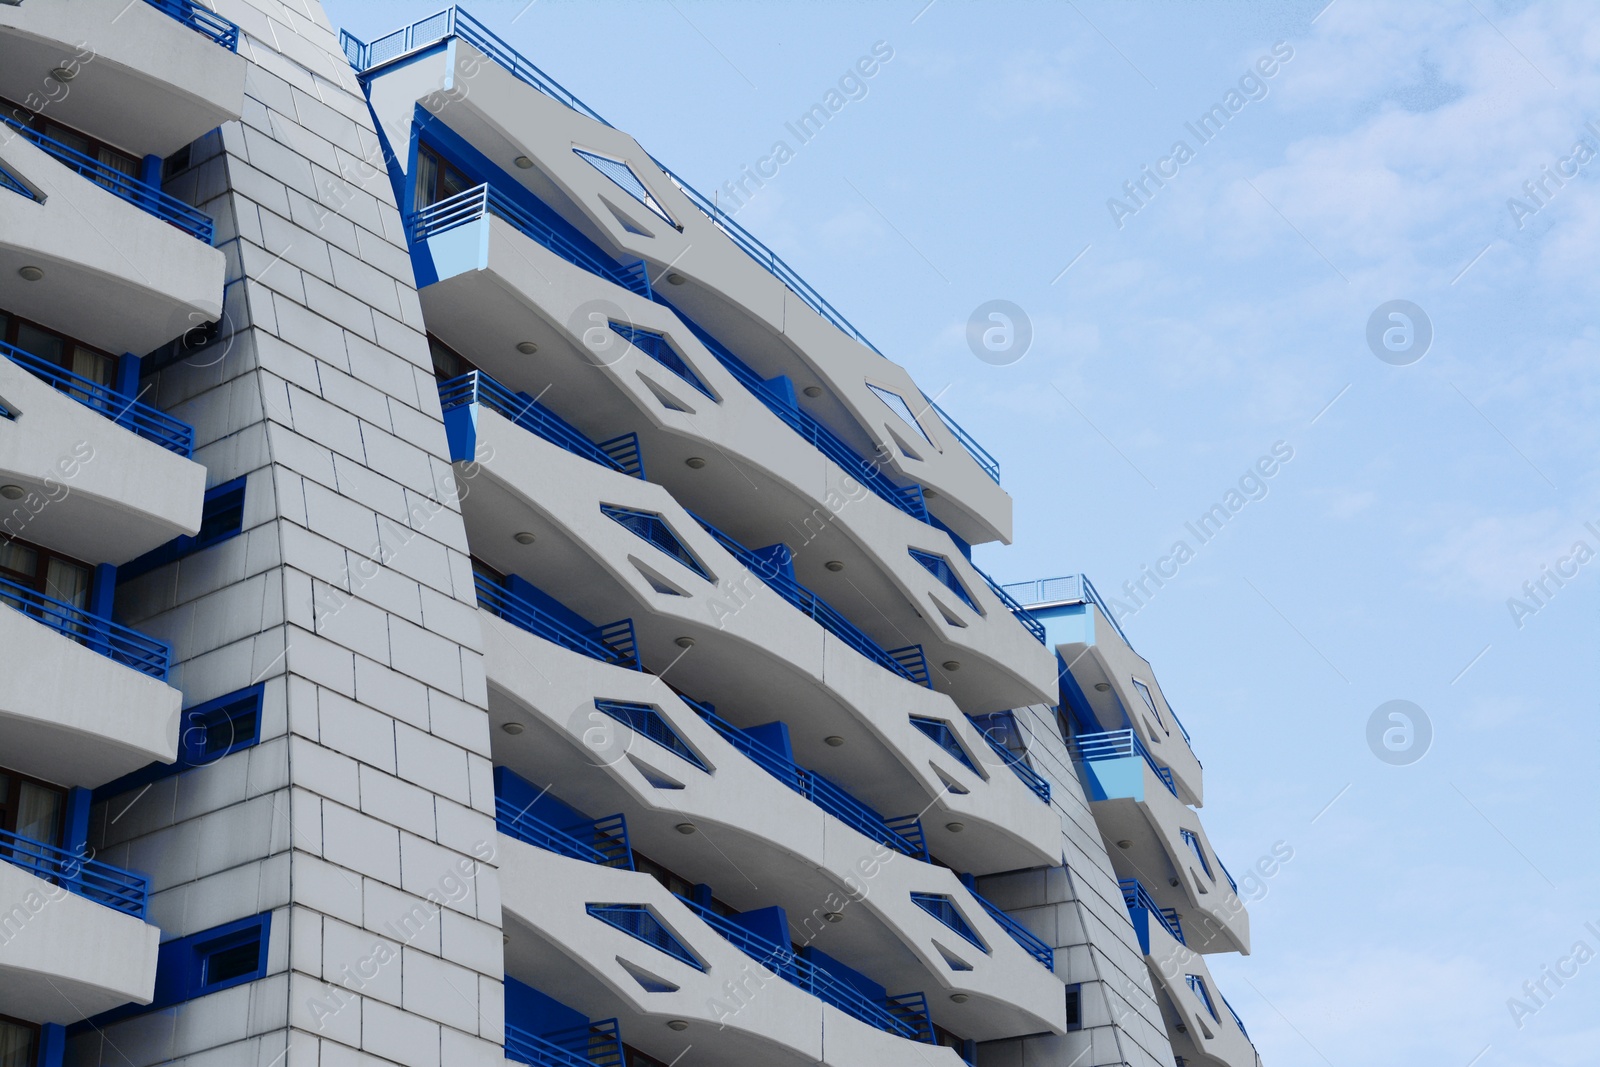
x=1229, y=313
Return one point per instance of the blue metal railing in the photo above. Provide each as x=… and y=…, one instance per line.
x=1120, y=744
x=168, y=209
x=113, y=640
x=905, y=1015
x=1134, y=895
x=603, y=842
x=475, y=203
x=1069, y=589
x=646, y=720
x=612, y=643
x=990, y=465
x=909, y=662
x=1236, y=1020
x=202, y=21
x=944, y=909
x=102, y=883
x=1032, y=778
x=904, y=834
x=142, y=419
x=1198, y=986
x=939, y=732
x=637, y=920
x=1023, y=615
x=1226, y=874
x=476, y=387
x=599, y=1044
x=1033, y=944
x=12, y=183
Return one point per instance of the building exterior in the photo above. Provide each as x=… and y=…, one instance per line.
x=465, y=600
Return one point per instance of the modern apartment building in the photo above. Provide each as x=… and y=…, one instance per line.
x=467, y=600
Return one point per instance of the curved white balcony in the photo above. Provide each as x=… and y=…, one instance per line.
x=850, y=543
x=512, y=111
x=146, y=79
x=81, y=700
x=737, y=1011
x=754, y=809
x=117, y=264
x=1111, y=681
x=1160, y=841
x=94, y=482
x=1201, y=1024
x=73, y=940
x=749, y=644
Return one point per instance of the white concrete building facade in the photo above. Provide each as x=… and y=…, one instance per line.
x=463, y=599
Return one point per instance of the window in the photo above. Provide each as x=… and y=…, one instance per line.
x=654, y=528
x=896, y=403
x=1150, y=701
x=447, y=362
x=630, y=183
x=1074, y=1007
x=40, y=570
x=436, y=179
x=31, y=808
x=224, y=957
x=19, y=1042
x=1193, y=841
x=221, y=517
x=114, y=159
x=52, y=347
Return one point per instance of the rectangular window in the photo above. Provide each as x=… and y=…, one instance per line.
x=1074, y=1007
x=19, y=1043
x=31, y=808
x=436, y=179
x=447, y=362
x=221, y=517
x=222, y=957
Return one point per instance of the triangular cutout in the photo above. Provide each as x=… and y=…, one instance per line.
x=949, y=616
x=653, y=776
x=651, y=983
x=625, y=179
x=658, y=583
x=950, y=783
x=626, y=221
x=897, y=404
x=956, y=962
x=668, y=401
x=900, y=443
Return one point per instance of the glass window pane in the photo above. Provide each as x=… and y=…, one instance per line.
x=71, y=138
x=69, y=582
x=39, y=813
x=87, y=363
x=427, y=177
x=453, y=182
x=120, y=162
x=16, y=1044
x=38, y=342
x=19, y=559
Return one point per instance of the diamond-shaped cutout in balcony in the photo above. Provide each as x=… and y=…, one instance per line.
x=625, y=179
x=897, y=404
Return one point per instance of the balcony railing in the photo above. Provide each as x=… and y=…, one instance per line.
x=1121, y=744
x=612, y=643
x=868, y=472
x=475, y=203
x=142, y=419
x=102, y=883
x=909, y=662
x=1236, y=1020
x=1024, y=616
x=1032, y=943
x=990, y=465
x=475, y=387
x=1030, y=777
x=905, y=1015
x=638, y=921
x=113, y=640
x=1070, y=589
x=168, y=209
x=599, y=1044
x=1134, y=895
x=11, y=183
x=200, y=20
x=904, y=834
x=603, y=842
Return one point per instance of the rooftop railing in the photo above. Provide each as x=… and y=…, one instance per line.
x=990, y=465
x=603, y=842
x=1121, y=744
x=1070, y=589
x=612, y=643
x=167, y=208
x=905, y=1015
x=144, y=420
x=599, y=1044
x=455, y=22
x=909, y=662
x=130, y=648
x=475, y=387
x=124, y=891
x=904, y=834
x=1134, y=895
x=481, y=200
x=202, y=21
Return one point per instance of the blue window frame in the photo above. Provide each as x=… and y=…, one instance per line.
x=637, y=920
x=1075, y=1007
x=658, y=348
x=221, y=517
x=653, y=528
x=939, y=566
x=939, y=732
x=1193, y=841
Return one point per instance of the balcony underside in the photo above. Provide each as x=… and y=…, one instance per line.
x=556, y=946
x=146, y=281
x=1205, y=1040
x=64, y=958
x=69, y=714
x=120, y=95
x=94, y=490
